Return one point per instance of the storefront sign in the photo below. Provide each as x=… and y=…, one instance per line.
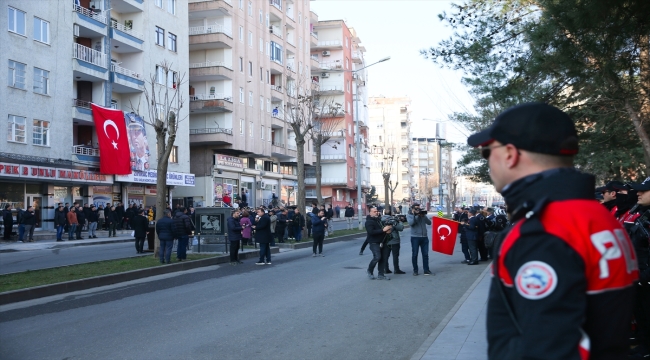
x=231, y=161
x=41, y=172
x=137, y=190
x=150, y=190
x=102, y=189
x=149, y=177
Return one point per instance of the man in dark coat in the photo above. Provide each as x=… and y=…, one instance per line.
x=376, y=235
x=129, y=215
x=349, y=215
x=7, y=221
x=140, y=229
x=119, y=210
x=234, y=236
x=182, y=229
x=166, y=237
x=29, y=219
x=59, y=222
x=298, y=225
x=281, y=225
x=263, y=236
x=81, y=218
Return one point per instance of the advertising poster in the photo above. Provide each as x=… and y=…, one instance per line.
x=218, y=192
x=138, y=144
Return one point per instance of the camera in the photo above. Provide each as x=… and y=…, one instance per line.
x=394, y=220
x=423, y=212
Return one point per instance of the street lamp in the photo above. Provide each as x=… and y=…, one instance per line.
x=357, y=140
x=439, y=143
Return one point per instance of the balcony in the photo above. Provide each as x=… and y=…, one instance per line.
x=81, y=110
x=327, y=181
x=124, y=39
x=313, y=39
x=210, y=103
x=314, y=64
x=126, y=81
x=93, y=16
x=292, y=147
x=127, y=6
x=330, y=89
x=275, y=31
x=276, y=90
x=82, y=150
x=90, y=65
x=211, y=136
x=333, y=158
x=210, y=71
x=356, y=57
x=213, y=36
x=201, y=9
x=331, y=65
x=329, y=44
x=276, y=4
x=89, y=55
x=313, y=17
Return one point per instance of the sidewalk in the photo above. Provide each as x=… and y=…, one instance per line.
x=51, y=243
x=461, y=335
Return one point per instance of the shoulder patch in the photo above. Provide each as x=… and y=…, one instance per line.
x=535, y=280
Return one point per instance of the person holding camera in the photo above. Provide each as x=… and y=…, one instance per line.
x=393, y=244
x=377, y=234
x=418, y=220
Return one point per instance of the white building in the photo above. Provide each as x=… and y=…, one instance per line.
x=62, y=56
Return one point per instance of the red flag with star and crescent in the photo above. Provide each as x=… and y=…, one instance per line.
x=114, y=156
x=444, y=233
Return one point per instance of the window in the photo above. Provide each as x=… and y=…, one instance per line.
x=268, y=47
x=276, y=52
x=250, y=8
x=241, y=4
x=16, y=129
x=41, y=133
x=261, y=74
x=241, y=33
x=299, y=42
x=261, y=45
x=348, y=86
x=299, y=17
x=173, y=155
x=241, y=95
x=250, y=68
x=261, y=17
x=159, y=3
x=41, y=81
x=41, y=30
x=16, y=21
x=262, y=132
x=160, y=36
x=250, y=98
x=241, y=126
x=16, y=74
x=241, y=64
x=172, y=42
x=250, y=129
x=268, y=77
x=171, y=6
x=268, y=105
x=160, y=75
x=261, y=103
x=250, y=38
x=172, y=78
x=346, y=42
x=269, y=138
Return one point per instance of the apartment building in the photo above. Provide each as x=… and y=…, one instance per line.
x=429, y=163
x=249, y=60
x=390, y=143
x=337, y=59
x=61, y=56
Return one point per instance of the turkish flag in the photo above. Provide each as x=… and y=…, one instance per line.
x=114, y=155
x=444, y=232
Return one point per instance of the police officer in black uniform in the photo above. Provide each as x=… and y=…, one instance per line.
x=638, y=226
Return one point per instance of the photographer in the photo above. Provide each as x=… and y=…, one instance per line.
x=418, y=220
x=377, y=234
x=393, y=244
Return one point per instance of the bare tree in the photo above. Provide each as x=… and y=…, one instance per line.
x=164, y=101
x=326, y=124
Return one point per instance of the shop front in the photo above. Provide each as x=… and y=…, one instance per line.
x=226, y=180
x=140, y=187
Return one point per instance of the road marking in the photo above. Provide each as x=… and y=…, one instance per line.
x=185, y=308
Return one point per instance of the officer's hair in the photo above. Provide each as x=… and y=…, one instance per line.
x=551, y=160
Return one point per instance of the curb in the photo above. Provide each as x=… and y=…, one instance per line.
x=309, y=243
x=73, y=243
x=84, y=284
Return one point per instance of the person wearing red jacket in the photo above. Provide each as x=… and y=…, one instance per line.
x=563, y=274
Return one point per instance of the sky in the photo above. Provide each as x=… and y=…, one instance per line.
x=400, y=29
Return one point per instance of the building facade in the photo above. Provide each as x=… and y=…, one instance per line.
x=337, y=57
x=61, y=57
x=390, y=146
x=249, y=60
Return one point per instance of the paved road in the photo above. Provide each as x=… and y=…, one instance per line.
x=298, y=308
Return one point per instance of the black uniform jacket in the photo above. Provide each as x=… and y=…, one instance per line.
x=565, y=269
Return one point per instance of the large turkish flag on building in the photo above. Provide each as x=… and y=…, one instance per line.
x=114, y=156
x=444, y=233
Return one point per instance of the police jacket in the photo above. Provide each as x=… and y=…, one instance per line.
x=374, y=229
x=638, y=231
x=234, y=229
x=562, y=283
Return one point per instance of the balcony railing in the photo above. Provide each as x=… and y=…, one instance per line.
x=312, y=181
x=209, y=64
x=210, y=29
x=87, y=54
x=332, y=157
x=276, y=3
x=330, y=43
x=127, y=72
x=331, y=88
x=276, y=88
x=278, y=143
x=292, y=147
x=276, y=31
x=276, y=115
x=315, y=35
x=84, y=150
x=211, y=131
x=217, y=96
x=126, y=29
x=291, y=66
x=229, y=2
x=290, y=41
x=81, y=103
x=97, y=15
x=331, y=65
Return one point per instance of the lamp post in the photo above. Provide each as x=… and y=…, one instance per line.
x=439, y=143
x=357, y=141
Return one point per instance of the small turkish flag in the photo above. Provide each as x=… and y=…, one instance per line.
x=444, y=232
x=114, y=155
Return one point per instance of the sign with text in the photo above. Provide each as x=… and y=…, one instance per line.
x=231, y=161
x=49, y=173
x=149, y=177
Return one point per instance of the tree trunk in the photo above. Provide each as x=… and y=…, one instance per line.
x=386, y=187
x=161, y=185
x=319, y=171
x=300, y=193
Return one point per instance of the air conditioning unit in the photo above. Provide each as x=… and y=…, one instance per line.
x=324, y=75
x=76, y=30
x=258, y=185
x=264, y=184
x=274, y=187
x=326, y=53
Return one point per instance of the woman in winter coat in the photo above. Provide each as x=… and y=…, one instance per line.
x=274, y=221
x=246, y=225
